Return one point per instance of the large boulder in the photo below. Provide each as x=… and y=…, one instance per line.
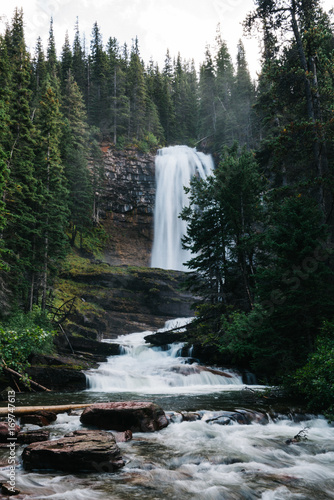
x=82, y=450
x=41, y=418
x=136, y=416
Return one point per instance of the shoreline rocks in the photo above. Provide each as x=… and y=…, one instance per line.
x=83, y=450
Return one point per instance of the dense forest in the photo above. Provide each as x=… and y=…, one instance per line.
x=261, y=228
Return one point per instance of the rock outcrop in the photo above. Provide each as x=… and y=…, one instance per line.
x=82, y=450
x=127, y=204
x=135, y=416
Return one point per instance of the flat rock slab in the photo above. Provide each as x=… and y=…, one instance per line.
x=135, y=416
x=82, y=450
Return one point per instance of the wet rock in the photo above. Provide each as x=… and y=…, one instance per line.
x=194, y=369
x=174, y=417
x=164, y=338
x=41, y=418
x=120, y=416
x=94, y=346
x=82, y=450
x=58, y=379
x=191, y=416
x=8, y=490
x=122, y=437
x=7, y=432
x=28, y=437
x=242, y=417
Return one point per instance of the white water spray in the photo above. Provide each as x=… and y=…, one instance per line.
x=146, y=370
x=174, y=168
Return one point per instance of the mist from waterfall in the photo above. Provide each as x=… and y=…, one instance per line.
x=174, y=168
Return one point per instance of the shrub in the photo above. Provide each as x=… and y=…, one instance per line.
x=23, y=335
x=315, y=380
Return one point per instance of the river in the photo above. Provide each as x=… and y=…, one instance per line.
x=199, y=459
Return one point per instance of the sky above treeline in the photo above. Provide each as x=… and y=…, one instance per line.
x=185, y=26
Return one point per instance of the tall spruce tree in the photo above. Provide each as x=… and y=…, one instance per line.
x=225, y=81
x=79, y=63
x=207, y=92
x=75, y=153
x=137, y=93
x=20, y=195
x=97, y=85
x=243, y=98
x=52, y=241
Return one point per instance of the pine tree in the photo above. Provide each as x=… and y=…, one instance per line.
x=301, y=144
x=20, y=195
x=66, y=60
x=165, y=106
x=51, y=245
x=119, y=102
x=208, y=104
x=79, y=63
x=51, y=53
x=39, y=71
x=221, y=221
x=75, y=152
x=225, y=81
x=243, y=98
x=97, y=112
x=4, y=171
x=137, y=93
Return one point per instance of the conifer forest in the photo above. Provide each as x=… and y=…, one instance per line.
x=261, y=227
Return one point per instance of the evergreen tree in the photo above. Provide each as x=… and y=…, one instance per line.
x=79, y=64
x=97, y=113
x=243, y=98
x=137, y=93
x=20, y=195
x=39, y=71
x=222, y=218
x=119, y=102
x=225, y=81
x=75, y=152
x=66, y=60
x=51, y=53
x=207, y=91
x=51, y=244
x=165, y=106
x=4, y=171
x=301, y=145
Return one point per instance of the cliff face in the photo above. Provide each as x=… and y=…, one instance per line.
x=127, y=205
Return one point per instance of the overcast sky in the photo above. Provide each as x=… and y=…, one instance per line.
x=184, y=26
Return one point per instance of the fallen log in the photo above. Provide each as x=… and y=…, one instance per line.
x=29, y=410
x=17, y=374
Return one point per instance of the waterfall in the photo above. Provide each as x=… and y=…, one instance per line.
x=174, y=168
x=146, y=370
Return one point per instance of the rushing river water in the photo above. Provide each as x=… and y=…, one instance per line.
x=190, y=460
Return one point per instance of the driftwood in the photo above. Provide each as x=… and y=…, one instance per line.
x=29, y=410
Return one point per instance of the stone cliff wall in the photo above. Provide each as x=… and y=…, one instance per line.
x=127, y=205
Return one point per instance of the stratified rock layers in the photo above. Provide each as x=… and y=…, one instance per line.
x=82, y=450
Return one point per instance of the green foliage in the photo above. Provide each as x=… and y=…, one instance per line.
x=221, y=217
x=315, y=380
x=149, y=144
x=23, y=335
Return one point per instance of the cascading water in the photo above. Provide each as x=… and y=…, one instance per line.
x=146, y=370
x=198, y=456
x=174, y=166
